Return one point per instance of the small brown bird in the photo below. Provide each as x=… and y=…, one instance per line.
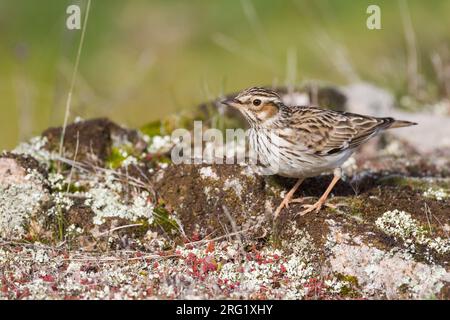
x=308, y=140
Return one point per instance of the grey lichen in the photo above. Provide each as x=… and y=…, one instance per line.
x=19, y=201
x=208, y=173
x=35, y=148
x=401, y=225
x=105, y=197
x=393, y=274
x=436, y=193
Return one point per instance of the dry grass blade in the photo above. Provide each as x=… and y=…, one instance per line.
x=74, y=159
x=119, y=228
x=74, y=77
x=88, y=168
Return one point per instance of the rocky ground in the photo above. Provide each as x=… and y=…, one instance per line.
x=114, y=218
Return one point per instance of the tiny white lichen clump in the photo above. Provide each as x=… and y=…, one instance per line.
x=105, y=199
x=401, y=225
x=335, y=285
x=40, y=256
x=248, y=171
x=62, y=201
x=234, y=184
x=438, y=194
x=18, y=202
x=60, y=198
x=207, y=172
x=74, y=230
x=130, y=160
x=159, y=144
x=35, y=148
x=56, y=181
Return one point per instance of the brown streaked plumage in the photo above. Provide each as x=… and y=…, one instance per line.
x=304, y=141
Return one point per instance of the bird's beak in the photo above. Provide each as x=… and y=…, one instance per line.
x=231, y=102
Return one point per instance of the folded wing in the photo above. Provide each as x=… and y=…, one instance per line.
x=325, y=132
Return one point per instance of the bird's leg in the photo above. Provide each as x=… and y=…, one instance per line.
x=287, y=198
x=318, y=205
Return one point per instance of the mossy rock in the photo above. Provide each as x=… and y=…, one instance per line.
x=210, y=199
x=92, y=141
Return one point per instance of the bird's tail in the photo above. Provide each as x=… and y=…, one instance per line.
x=401, y=124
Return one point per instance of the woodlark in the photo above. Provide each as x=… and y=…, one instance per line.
x=308, y=141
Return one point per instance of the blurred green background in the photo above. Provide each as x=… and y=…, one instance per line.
x=145, y=59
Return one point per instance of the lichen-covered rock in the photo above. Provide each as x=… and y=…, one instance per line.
x=24, y=195
x=381, y=271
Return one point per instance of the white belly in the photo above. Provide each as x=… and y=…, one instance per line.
x=315, y=166
x=303, y=164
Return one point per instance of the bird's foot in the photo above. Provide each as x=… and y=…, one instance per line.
x=284, y=203
x=311, y=207
x=315, y=207
x=287, y=199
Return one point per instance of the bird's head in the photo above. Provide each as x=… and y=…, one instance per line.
x=258, y=105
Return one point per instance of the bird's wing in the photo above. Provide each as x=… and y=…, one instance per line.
x=324, y=132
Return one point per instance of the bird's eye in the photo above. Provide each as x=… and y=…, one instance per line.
x=256, y=102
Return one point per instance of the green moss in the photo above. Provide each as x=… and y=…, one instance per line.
x=152, y=129
x=350, y=290
x=167, y=125
x=163, y=219
x=70, y=188
x=53, y=167
x=402, y=181
x=355, y=206
x=115, y=158
x=163, y=159
x=141, y=230
x=211, y=118
x=348, y=278
x=420, y=184
x=118, y=155
x=404, y=288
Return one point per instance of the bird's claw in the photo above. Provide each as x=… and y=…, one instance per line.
x=310, y=207
x=315, y=207
x=284, y=203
